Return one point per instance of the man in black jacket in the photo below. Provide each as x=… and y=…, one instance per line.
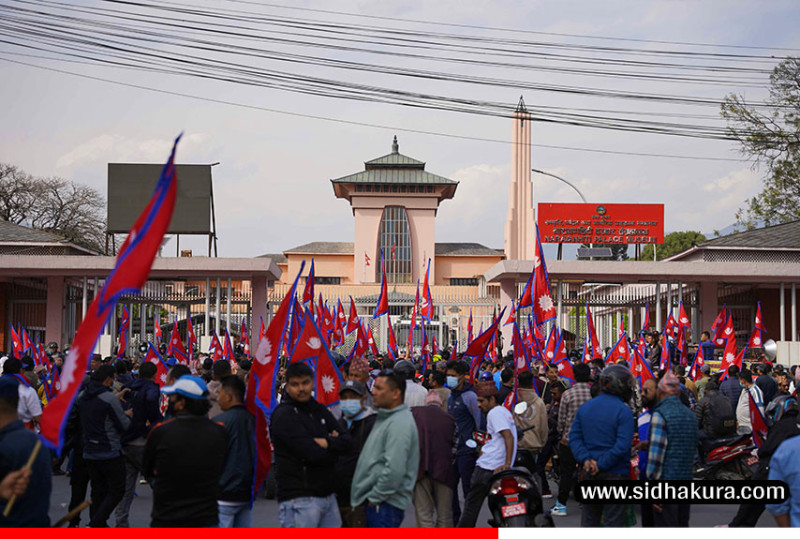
x=103, y=422
x=357, y=420
x=307, y=439
x=236, y=482
x=185, y=457
x=144, y=400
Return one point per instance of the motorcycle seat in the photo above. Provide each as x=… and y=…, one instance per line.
x=728, y=440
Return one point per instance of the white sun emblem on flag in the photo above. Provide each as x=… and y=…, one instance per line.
x=264, y=352
x=68, y=374
x=621, y=349
x=314, y=343
x=730, y=358
x=561, y=366
x=327, y=384
x=536, y=261
x=758, y=320
x=58, y=386
x=756, y=340
x=728, y=331
x=545, y=303
x=164, y=378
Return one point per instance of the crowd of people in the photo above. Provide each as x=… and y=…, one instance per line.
x=398, y=437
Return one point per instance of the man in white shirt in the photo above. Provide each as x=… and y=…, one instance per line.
x=29, y=408
x=743, y=407
x=497, y=454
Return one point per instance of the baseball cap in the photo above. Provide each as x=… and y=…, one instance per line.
x=191, y=387
x=352, y=385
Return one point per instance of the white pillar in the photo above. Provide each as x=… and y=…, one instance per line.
x=218, y=305
x=783, y=312
x=228, y=307
x=631, y=330
x=143, y=323
x=658, y=307
x=206, y=325
x=794, y=312
x=669, y=297
x=84, y=299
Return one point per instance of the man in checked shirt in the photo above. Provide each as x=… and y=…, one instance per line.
x=673, y=443
x=572, y=399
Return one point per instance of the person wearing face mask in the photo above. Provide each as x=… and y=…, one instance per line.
x=358, y=418
x=462, y=405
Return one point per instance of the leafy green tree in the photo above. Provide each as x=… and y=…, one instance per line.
x=674, y=243
x=769, y=134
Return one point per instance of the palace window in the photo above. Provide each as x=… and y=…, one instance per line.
x=395, y=240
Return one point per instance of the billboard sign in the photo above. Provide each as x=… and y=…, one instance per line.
x=130, y=187
x=605, y=224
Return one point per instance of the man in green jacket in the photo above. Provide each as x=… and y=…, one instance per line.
x=387, y=467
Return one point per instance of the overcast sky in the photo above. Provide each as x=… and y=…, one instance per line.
x=272, y=187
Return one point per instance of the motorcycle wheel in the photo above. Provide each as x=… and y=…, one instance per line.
x=727, y=475
x=518, y=521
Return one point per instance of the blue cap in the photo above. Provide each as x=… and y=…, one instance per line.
x=191, y=387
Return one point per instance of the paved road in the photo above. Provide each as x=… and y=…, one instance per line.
x=265, y=512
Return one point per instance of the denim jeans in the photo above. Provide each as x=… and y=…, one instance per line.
x=384, y=516
x=612, y=515
x=310, y=512
x=134, y=455
x=463, y=468
x=235, y=515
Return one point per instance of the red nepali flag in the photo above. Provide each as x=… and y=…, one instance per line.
x=683, y=318
x=620, y=351
x=476, y=350
x=537, y=291
x=244, y=338
x=128, y=276
x=646, y=321
x=665, y=359
x=326, y=325
x=191, y=337
x=175, y=343
x=361, y=344
x=352, y=321
x=260, y=397
x=158, y=330
x=595, y=342
x=227, y=352
x=27, y=343
x=308, y=291
x=757, y=337
x=640, y=369
x=469, y=326
x=426, y=301
x=512, y=317
x=555, y=349
x=262, y=331
x=671, y=327
x=154, y=357
x=16, y=343
x=720, y=325
x=371, y=342
x=697, y=364
x=425, y=351
x=123, y=332
x=382, y=307
x=55, y=382
x=683, y=346
x=757, y=421
x=392, y=345
x=215, y=348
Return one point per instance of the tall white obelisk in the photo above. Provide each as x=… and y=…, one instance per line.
x=520, y=233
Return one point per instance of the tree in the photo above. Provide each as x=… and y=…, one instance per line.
x=56, y=205
x=769, y=134
x=619, y=252
x=674, y=243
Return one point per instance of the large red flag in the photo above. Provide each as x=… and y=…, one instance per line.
x=158, y=335
x=352, y=321
x=426, y=301
x=683, y=318
x=392, y=345
x=477, y=348
x=308, y=291
x=175, y=342
x=154, y=357
x=757, y=337
x=620, y=351
x=361, y=344
x=371, y=342
x=697, y=364
x=595, y=342
x=671, y=327
x=191, y=338
x=16, y=343
x=128, y=276
x=757, y=421
x=512, y=316
x=543, y=307
x=215, y=348
x=382, y=307
x=640, y=369
x=720, y=325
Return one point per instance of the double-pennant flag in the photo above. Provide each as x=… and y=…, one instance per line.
x=391, y=347
x=426, y=301
x=382, y=307
x=311, y=346
x=352, y=320
x=537, y=290
x=124, y=327
x=697, y=364
x=757, y=337
x=469, y=325
x=157, y=335
x=594, y=342
x=16, y=343
x=476, y=350
x=191, y=337
x=161, y=369
x=719, y=326
x=128, y=276
x=260, y=397
x=308, y=291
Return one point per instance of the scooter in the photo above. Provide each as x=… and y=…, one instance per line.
x=730, y=458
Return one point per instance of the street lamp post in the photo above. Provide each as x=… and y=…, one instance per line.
x=583, y=198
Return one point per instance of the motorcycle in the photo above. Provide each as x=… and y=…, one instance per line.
x=730, y=458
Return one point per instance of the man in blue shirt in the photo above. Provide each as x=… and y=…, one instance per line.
x=785, y=466
x=16, y=444
x=601, y=438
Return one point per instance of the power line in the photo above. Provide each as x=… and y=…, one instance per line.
x=361, y=124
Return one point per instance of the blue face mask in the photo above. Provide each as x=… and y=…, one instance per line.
x=350, y=407
x=452, y=382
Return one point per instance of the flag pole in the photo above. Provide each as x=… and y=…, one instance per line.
x=27, y=467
